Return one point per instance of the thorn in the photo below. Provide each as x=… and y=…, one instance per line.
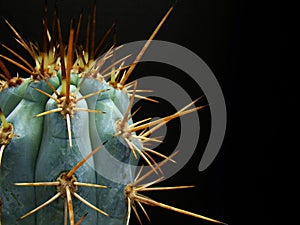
x=69, y=62
x=5, y=70
x=81, y=219
x=144, y=157
x=125, y=118
x=1, y=155
x=143, y=209
x=132, y=114
x=160, y=122
x=17, y=64
x=92, y=48
x=87, y=37
x=117, y=70
x=146, y=139
x=166, y=188
x=79, y=86
x=145, y=186
x=66, y=212
x=69, y=128
x=104, y=37
x=20, y=40
x=115, y=63
x=151, y=171
x=103, y=59
x=129, y=143
x=88, y=110
x=151, y=202
x=190, y=104
x=78, y=29
x=128, y=210
x=62, y=58
x=153, y=161
x=136, y=214
x=51, y=87
x=139, y=173
x=38, y=184
x=89, y=204
x=141, y=53
x=48, y=112
x=42, y=64
x=129, y=91
x=139, y=122
x=6, y=79
x=92, y=94
x=45, y=29
x=78, y=165
x=41, y=206
x=158, y=154
x=145, y=98
x=89, y=185
x=46, y=94
x=54, y=21
x=5, y=124
x=70, y=205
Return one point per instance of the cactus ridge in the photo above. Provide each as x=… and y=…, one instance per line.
x=65, y=123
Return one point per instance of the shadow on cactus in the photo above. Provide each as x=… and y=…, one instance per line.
x=59, y=124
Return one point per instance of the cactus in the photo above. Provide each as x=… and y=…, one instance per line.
x=61, y=125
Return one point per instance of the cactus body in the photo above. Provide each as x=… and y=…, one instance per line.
x=41, y=149
x=69, y=148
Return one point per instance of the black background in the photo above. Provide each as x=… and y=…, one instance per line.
x=239, y=41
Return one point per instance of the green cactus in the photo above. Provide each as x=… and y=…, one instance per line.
x=59, y=126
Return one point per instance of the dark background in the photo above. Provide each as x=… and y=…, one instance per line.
x=240, y=42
